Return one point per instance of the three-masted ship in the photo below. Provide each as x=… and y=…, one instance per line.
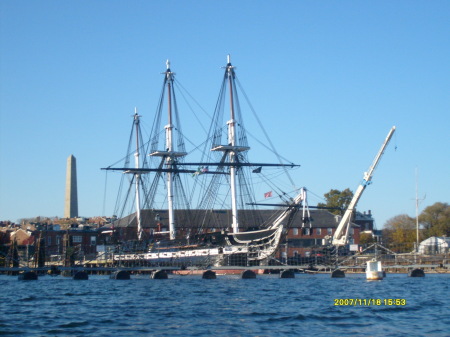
x=183, y=239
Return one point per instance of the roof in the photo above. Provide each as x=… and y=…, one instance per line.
x=363, y=216
x=436, y=240
x=434, y=245
x=22, y=237
x=221, y=219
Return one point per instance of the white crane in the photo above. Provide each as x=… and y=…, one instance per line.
x=340, y=237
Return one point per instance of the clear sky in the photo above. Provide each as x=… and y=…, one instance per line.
x=330, y=78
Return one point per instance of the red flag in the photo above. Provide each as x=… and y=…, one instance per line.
x=268, y=194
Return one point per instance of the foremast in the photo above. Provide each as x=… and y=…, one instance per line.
x=232, y=148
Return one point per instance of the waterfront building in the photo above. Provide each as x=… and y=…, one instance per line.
x=435, y=245
x=365, y=221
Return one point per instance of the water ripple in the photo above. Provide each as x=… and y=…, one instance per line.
x=227, y=306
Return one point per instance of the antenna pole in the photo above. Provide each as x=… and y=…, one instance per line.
x=417, y=212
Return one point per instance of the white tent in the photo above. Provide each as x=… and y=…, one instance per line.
x=435, y=245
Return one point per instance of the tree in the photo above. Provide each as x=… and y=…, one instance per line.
x=337, y=199
x=435, y=220
x=400, y=231
x=366, y=238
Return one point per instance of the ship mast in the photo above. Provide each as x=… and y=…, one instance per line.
x=232, y=155
x=137, y=177
x=232, y=148
x=169, y=148
x=169, y=154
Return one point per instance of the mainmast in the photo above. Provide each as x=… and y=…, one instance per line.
x=169, y=154
x=169, y=148
x=137, y=177
x=232, y=141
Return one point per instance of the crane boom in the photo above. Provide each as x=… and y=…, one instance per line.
x=340, y=237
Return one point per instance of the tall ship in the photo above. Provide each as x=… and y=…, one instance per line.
x=207, y=205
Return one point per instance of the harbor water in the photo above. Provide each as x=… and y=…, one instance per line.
x=227, y=306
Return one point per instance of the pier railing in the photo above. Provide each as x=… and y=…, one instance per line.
x=392, y=258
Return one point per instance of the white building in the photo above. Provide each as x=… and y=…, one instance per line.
x=435, y=245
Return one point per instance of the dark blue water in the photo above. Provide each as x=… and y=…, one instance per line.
x=226, y=306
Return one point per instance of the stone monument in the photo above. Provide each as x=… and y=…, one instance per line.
x=71, y=203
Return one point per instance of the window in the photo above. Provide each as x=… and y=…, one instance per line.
x=295, y=231
x=93, y=240
x=307, y=232
x=299, y=243
x=318, y=231
x=330, y=231
x=352, y=231
x=77, y=239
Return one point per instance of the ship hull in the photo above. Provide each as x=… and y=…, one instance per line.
x=243, y=249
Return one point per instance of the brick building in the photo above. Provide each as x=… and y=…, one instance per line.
x=83, y=239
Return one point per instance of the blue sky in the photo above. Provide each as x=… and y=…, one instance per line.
x=329, y=77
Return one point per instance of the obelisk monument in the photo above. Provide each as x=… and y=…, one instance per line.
x=71, y=204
